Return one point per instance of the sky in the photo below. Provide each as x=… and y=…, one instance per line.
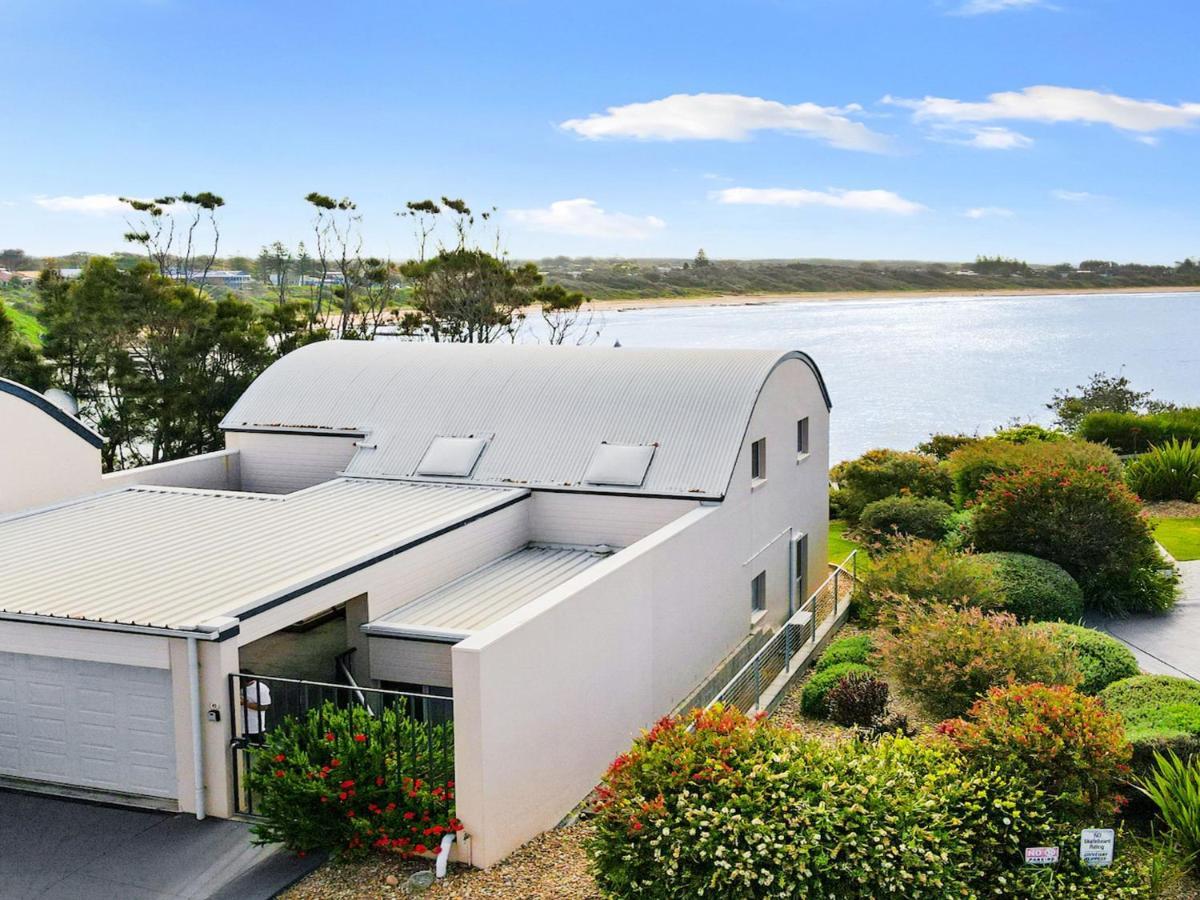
x=1049, y=130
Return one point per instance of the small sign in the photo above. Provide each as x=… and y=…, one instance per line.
x=1096, y=846
x=1041, y=856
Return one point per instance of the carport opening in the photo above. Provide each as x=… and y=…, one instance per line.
x=321, y=647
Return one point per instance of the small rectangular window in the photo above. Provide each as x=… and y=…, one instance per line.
x=802, y=436
x=800, y=569
x=758, y=459
x=758, y=593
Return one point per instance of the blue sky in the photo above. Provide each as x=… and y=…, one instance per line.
x=762, y=128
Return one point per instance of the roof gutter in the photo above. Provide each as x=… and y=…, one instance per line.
x=196, y=632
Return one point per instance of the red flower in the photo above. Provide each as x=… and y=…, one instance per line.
x=390, y=807
x=335, y=762
x=349, y=783
x=280, y=758
x=279, y=773
x=378, y=781
x=420, y=848
x=329, y=735
x=324, y=799
x=342, y=795
x=408, y=815
x=360, y=737
x=350, y=814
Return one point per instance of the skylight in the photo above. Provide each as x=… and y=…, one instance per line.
x=451, y=456
x=620, y=464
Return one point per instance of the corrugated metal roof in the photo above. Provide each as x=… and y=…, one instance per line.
x=544, y=410
x=175, y=557
x=480, y=598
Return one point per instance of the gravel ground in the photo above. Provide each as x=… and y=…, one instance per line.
x=1172, y=509
x=550, y=867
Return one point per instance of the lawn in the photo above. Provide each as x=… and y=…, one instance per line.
x=1181, y=537
x=840, y=546
x=26, y=325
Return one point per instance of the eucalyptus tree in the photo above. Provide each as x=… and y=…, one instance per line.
x=170, y=229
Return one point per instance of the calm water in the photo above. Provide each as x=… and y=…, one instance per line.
x=898, y=370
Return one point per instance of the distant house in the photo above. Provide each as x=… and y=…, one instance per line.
x=555, y=546
x=329, y=278
x=230, y=278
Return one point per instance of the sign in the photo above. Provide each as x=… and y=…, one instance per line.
x=1096, y=846
x=1041, y=856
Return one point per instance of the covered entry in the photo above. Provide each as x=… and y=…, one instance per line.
x=87, y=724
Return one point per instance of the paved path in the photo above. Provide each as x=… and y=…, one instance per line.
x=55, y=849
x=1167, y=644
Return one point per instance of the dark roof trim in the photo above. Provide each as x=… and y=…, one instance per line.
x=33, y=398
x=305, y=432
x=812, y=364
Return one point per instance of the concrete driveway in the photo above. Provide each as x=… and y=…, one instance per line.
x=1167, y=644
x=56, y=849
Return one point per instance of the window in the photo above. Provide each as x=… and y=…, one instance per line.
x=802, y=437
x=454, y=456
x=758, y=593
x=758, y=459
x=623, y=464
x=799, y=570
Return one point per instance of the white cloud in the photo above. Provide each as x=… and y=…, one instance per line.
x=584, y=217
x=988, y=212
x=994, y=137
x=862, y=201
x=89, y=204
x=727, y=117
x=982, y=7
x=1047, y=103
x=1075, y=196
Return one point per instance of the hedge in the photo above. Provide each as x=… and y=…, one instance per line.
x=856, y=649
x=919, y=517
x=1036, y=590
x=971, y=466
x=1161, y=713
x=1134, y=433
x=1102, y=658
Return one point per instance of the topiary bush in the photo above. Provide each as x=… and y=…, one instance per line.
x=1064, y=742
x=856, y=648
x=1086, y=522
x=1036, y=590
x=972, y=465
x=949, y=657
x=1102, y=658
x=816, y=690
x=928, y=573
x=857, y=701
x=1169, y=471
x=332, y=780
x=886, y=473
x=918, y=517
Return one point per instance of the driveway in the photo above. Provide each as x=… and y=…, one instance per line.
x=56, y=849
x=1167, y=644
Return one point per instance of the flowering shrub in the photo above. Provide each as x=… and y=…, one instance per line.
x=949, y=657
x=740, y=808
x=816, y=690
x=882, y=521
x=925, y=572
x=857, y=700
x=886, y=473
x=1088, y=523
x=1063, y=741
x=345, y=781
x=1102, y=658
x=972, y=466
x=1036, y=590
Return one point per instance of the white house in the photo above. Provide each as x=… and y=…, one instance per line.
x=564, y=542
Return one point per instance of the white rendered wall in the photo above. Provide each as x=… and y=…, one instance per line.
x=219, y=470
x=274, y=463
x=559, y=517
x=41, y=460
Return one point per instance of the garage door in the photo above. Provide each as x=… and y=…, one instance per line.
x=96, y=725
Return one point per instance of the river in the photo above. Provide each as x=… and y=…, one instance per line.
x=901, y=369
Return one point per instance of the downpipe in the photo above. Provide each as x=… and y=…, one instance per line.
x=193, y=657
x=443, y=856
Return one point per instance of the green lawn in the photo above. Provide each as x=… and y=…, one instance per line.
x=1181, y=537
x=840, y=546
x=26, y=325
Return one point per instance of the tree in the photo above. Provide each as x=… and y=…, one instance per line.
x=336, y=227
x=16, y=260
x=1101, y=393
x=164, y=221
x=568, y=315
x=701, y=259
x=274, y=265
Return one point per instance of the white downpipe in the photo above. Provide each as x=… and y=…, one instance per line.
x=443, y=856
x=197, y=724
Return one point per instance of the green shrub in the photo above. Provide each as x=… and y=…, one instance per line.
x=1174, y=786
x=1036, y=590
x=928, y=573
x=886, y=473
x=1129, y=877
x=857, y=701
x=1028, y=433
x=856, y=648
x=1063, y=741
x=1158, y=706
x=918, y=517
x=819, y=684
x=1086, y=522
x=332, y=781
x=1170, y=471
x=942, y=445
x=958, y=531
x=1134, y=433
x=1102, y=658
x=971, y=466
x=949, y=657
x=739, y=808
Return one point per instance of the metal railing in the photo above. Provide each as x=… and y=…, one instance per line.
x=417, y=729
x=793, y=642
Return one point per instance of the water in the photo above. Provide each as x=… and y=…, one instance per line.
x=899, y=370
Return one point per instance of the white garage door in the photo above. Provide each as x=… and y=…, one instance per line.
x=97, y=725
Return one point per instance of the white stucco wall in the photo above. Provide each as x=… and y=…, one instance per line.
x=276, y=463
x=41, y=460
x=219, y=470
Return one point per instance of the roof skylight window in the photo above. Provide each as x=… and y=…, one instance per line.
x=620, y=464
x=451, y=456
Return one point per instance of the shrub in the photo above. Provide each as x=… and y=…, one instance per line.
x=926, y=573
x=1156, y=706
x=1102, y=658
x=958, y=531
x=942, y=445
x=919, y=517
x=816, y=689
x=1067, y=743
x=1170, y=471
x=1036, y=590
x=886, y=473
x=1174, y=786
x=949, y=657
x=331, y=780
x=1127, y=878
x=1086, y=522
x=971, y=466
x=740, y=808
x=856, y=648
x=857, y=700
x=1029, y=433
x=1129, y=432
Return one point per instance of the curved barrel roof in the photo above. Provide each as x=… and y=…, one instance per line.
x=542, y=410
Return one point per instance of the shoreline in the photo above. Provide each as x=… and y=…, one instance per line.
x=620, y=305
